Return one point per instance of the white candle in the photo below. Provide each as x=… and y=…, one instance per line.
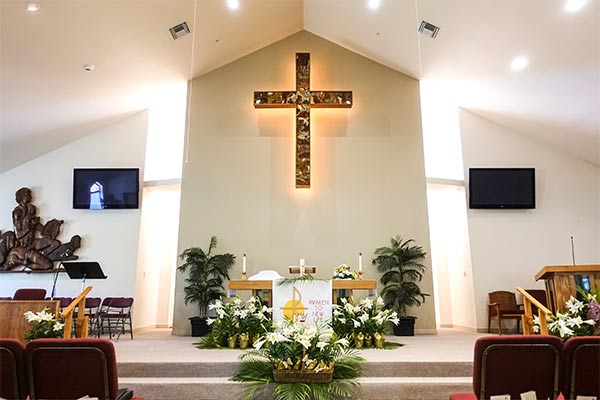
x=302, y=265
x=244, y=264
x=359, y=262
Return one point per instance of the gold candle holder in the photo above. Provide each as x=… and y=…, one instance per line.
x=360, y=275
x=244, y=275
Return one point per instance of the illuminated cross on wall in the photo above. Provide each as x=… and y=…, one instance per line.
x=303, y=99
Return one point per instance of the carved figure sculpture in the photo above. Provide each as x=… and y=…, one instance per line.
x=8, y=240
x=25, y=220
x=33, y=245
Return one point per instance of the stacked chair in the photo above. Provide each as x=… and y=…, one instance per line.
x=60, y=369
x=114, y=316
x=515, y=364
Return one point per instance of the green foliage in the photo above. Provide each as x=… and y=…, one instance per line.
x=401, y=267
x=366, y=317
x=207, y=272
x=43, y=325
x=300, y=278
x=256, y=371
x=235, y=317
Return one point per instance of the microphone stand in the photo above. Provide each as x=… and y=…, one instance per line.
x=54, y=283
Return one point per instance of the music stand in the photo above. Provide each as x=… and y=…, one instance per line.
x=84, y=270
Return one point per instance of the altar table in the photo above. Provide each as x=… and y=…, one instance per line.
x=338, y=284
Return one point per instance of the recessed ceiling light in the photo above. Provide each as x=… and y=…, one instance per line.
x=374, y=4
x=574, y=5
x=233, y=4
x=89, y=67
x=518, y=63
x=32, y=7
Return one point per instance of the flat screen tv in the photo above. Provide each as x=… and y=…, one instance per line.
x=499, y=188
x=106, y=188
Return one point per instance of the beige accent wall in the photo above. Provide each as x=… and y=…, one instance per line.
x=368, y=180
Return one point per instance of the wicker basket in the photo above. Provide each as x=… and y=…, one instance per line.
x=303, y=376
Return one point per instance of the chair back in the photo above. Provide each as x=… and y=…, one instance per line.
x=506, y=300
x=581, y=367
x=64, y=301
x=515, y=364
x=79, y=367
x=539, y=295
x=92, y=302
x=121, y=305
x=29, y=294
x=12, y=370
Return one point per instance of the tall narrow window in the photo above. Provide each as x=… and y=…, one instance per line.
x=96, y=196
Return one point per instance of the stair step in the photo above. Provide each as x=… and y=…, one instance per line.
x=219, y=388
x=230, y=368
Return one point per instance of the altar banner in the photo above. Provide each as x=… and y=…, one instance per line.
x=308, y=301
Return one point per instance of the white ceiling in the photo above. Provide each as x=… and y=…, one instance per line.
x=47, y=100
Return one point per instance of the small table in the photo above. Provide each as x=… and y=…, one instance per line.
x=337, y=284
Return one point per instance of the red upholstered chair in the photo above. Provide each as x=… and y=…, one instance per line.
x=581, y=367
x=64, y=369
x=515, y=364
x=29, y=294
x=12, y=370
x=503, y=305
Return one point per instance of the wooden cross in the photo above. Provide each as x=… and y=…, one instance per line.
x=303, y=100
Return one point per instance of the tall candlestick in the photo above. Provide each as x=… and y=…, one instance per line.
x=244, y=264
x=359, y=262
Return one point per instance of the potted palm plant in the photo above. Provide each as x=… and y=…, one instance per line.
x=204, y=283
x=401, y=269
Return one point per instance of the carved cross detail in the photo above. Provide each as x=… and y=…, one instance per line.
x=303, y=99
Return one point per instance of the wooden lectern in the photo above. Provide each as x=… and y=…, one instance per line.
x=562, y=281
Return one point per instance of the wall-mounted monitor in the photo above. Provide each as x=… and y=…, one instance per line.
x=499, y=188
x=106, y=188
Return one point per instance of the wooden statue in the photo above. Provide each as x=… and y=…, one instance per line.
x=33, y=245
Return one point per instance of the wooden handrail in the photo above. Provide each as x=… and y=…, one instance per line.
x=527, y=319
x=82, y=319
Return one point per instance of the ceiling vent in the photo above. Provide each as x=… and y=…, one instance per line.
x=179, y=30
x=428, y=29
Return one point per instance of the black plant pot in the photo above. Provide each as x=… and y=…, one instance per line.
x=199, y=326
x=406, y=327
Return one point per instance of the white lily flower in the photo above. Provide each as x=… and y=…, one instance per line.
x=57, y=327
x=322, y=345
x=356, y=323
x=210, y=321
x=574, y=305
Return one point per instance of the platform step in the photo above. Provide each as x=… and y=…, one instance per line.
x=215, y=388
x=230, y=368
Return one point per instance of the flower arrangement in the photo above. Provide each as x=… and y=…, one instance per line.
x=343, y=271
x=363, y=323
x=43, y=325
x=238, y=322
x=582, y=317
x=302, y=362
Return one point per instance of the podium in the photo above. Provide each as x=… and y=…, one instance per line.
x=562, y=281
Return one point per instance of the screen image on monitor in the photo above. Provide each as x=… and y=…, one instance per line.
x=105, y=188
x=500, y=188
